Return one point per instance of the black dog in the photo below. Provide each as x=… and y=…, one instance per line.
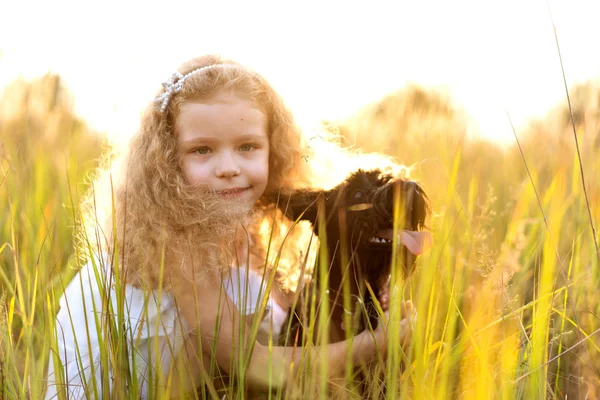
x=357, y=217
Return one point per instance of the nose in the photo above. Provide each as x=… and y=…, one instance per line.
x=227, y=166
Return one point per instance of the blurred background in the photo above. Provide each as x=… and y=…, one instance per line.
x=429, y=83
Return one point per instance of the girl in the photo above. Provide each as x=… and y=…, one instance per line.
x=174, y=232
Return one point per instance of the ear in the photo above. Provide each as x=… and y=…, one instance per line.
x=300, y=204
x=417, y=206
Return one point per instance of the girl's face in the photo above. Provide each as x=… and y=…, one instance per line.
x=223, y=144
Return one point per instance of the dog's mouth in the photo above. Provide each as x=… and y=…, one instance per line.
x=382, y=237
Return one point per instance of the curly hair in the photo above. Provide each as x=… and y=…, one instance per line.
x=154, y=214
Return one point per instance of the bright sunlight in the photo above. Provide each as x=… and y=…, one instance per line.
x=495, y=230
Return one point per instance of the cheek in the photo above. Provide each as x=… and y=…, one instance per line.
x=266, y=168
x=265, y=163
x=194, y=173
x=261, y=166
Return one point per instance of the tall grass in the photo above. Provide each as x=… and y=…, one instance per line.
x=44, y=157
x=506, y=298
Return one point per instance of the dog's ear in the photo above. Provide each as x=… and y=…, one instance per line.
x=300, y=204
x=419, y=206
x=417, y=209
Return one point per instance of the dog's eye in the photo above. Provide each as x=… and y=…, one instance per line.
x=358, y=195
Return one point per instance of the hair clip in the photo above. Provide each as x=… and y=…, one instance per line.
x=175, y=84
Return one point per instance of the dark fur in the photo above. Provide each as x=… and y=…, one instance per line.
x=359, y=207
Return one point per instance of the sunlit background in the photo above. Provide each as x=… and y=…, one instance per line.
x=508, y=295
x=328, y=59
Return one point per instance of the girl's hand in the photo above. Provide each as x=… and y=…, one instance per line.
x=383, y=295
x=408, y=318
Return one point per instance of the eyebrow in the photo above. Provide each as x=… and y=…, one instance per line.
x=248, y=137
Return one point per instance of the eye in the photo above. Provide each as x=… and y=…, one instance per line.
x=247, y=147
x=202, y=150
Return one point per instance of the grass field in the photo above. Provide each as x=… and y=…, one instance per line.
x=506, y=297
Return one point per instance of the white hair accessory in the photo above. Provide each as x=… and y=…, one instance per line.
x=175, y=84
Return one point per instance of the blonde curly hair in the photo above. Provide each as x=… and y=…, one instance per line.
x=146, y=211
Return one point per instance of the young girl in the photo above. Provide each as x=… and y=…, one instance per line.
x=168, y=295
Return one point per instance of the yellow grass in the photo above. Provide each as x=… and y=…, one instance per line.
x=507, y=301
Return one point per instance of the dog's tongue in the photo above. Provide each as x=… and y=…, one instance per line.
x=415, y=242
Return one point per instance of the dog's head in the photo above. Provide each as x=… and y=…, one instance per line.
x=363, y=209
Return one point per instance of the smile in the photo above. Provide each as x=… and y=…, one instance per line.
x=232, y=193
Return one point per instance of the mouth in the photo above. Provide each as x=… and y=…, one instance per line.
x=382, y=237
x=232, y=193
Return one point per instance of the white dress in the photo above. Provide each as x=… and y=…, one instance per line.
x=152, y=325
x=154, y=329
x=274, y=315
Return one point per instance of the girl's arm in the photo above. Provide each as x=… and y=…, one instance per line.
x=201, y=315
x=364, y=347
x=285, y=360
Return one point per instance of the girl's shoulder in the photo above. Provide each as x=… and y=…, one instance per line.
x=91, y=305
x=97, y=290
x=246, y=288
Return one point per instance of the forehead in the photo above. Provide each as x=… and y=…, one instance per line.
x=366, y=180
x=225, y=113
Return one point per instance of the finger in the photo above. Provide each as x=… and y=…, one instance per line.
x=408, y=326
x=407, y=309
x=384, y=300
x=383, y=295
x=385, y=318
x=384, y=291
x=406, y=331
